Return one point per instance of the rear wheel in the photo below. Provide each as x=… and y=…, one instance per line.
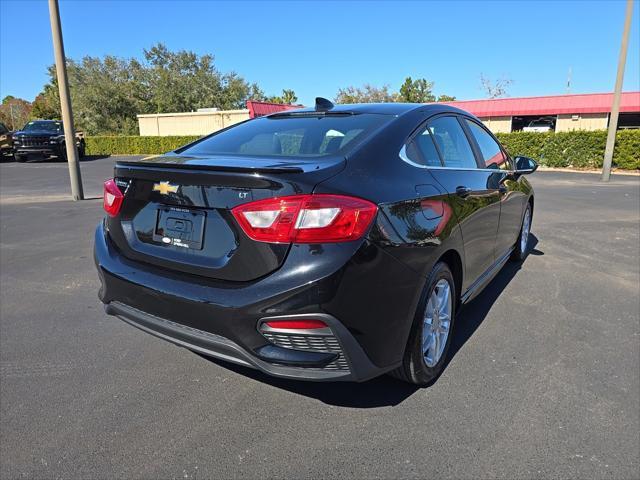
x=430, y=337
x=522, y=245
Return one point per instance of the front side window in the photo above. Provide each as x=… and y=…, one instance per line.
x=293, y=135
x=452, y=143
x=492, y=155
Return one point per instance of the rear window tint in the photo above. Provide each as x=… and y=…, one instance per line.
x=422, y=151
x=291, y=136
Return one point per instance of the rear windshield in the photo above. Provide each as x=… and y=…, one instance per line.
x=291, y=136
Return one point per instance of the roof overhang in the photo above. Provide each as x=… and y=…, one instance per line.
x=550, y=105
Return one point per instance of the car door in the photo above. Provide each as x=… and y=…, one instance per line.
x=494, y=159
x=473, y=193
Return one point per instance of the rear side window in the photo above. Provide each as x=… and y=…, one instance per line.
x=422, y=151
x=452, y=143
x=491, y=152
x=291, y=136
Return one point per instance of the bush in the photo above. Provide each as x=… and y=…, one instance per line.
x=577, y=149
x=134, y=145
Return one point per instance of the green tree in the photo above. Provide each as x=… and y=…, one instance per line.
x=366, y=94
x=14, y=112
x=107, y=93
x=47, y=104
x=288, y=97
x=184, y=81
x=446, y=98
x=256, y=93
x=416, y=91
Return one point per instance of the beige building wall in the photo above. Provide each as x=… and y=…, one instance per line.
x=497, y=124
x=583, y=121
x=189, y=123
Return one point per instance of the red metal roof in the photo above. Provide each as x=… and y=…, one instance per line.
x=258, y=109
x=551, y=105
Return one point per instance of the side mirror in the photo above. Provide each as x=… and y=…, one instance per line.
x=525, y=165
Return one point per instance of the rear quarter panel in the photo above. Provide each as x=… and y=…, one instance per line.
x=415, y=226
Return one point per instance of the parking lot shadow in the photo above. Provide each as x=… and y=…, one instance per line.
x=91, y=158
x=386, y=391
x=39, y=159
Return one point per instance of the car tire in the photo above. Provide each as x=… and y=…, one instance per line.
x=81, y=150
x=417, y=366
x=20, y=158
x=521, y=249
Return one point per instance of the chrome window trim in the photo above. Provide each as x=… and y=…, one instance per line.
x=403, y=156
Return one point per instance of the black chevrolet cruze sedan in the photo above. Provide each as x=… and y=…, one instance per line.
x=327, y=243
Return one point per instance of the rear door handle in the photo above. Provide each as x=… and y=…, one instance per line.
x=463, y=191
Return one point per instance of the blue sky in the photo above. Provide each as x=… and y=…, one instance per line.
x=316, y=48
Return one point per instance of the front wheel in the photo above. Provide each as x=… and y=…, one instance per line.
x=430, y=337
x=20, y=158
x=522, y=245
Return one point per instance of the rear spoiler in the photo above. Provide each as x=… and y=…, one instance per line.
x=209, y=167
x=218, y=164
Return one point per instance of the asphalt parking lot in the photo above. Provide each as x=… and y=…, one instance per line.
x=544, y=381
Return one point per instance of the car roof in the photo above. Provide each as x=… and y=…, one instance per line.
x=385, y=108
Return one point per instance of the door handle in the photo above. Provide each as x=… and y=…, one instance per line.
x=463, y=191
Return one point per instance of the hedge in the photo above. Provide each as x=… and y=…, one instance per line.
x=134, y=145
x=578, y=149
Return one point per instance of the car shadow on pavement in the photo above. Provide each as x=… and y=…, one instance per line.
x=385, y=391
x=471, y=315
x=382, y=391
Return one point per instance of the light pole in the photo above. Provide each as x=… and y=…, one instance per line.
x=615, y=107
x=65, y=102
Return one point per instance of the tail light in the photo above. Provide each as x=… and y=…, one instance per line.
x=320, y=218
x=112, y=198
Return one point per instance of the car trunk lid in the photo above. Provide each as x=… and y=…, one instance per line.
x=176, y=212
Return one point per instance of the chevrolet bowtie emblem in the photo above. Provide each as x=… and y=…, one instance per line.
x=164, y=188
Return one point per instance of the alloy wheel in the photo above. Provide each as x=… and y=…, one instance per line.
x=524, y=235
x=436, y=323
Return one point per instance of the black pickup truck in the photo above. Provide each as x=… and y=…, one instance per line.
x=44, y=138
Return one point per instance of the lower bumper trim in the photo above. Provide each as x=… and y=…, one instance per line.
x=222, y=348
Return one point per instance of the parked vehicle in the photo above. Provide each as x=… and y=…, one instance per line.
x=327, y=243
x=6, y=141
x=44, y=138
x=540, y=125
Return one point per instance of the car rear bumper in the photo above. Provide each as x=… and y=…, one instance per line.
x=221, y=320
